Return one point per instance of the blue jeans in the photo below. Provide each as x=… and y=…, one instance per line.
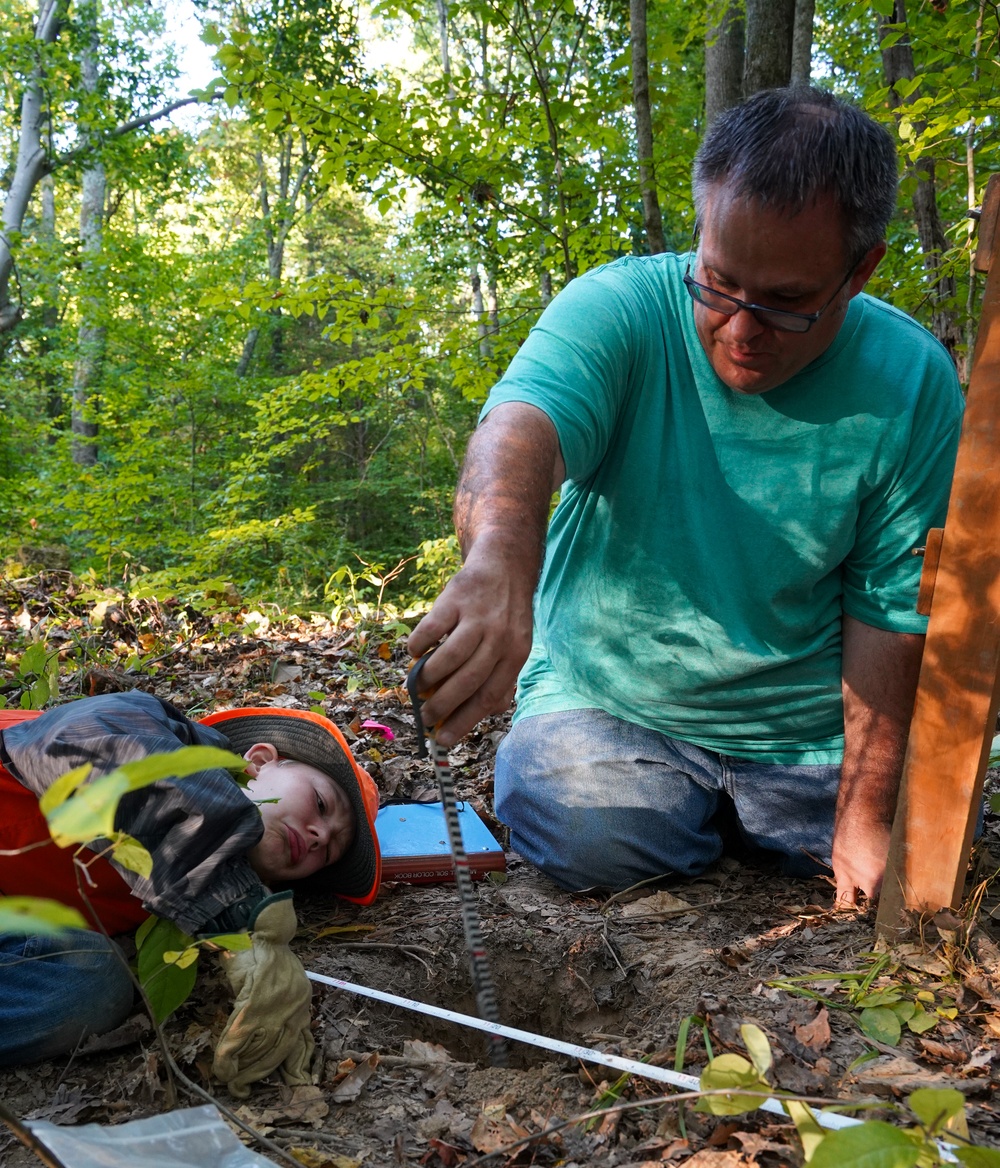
x=595, y=801
x=57, y=990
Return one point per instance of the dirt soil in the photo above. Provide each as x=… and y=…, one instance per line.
x=624, y=975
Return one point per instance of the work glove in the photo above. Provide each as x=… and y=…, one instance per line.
x=269, y=1025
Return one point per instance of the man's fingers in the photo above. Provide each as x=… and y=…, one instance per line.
x=480, y=683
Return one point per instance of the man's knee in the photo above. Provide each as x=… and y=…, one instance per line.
x=595, y=801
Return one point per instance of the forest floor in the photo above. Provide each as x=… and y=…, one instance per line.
x=626, y=975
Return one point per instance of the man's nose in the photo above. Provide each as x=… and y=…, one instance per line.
x=743, y=325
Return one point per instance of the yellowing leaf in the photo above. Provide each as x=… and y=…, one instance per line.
x=234, y=942
x=181, y=958
x=732, y=1071
x=757, y=1046
x=36, y=914
x=132, y=855
x=807, y=1125
x=63, y=787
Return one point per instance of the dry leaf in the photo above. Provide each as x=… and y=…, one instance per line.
x=659, y=906
x=314, y=1158
x=304, y=1105
x=942, y=1052
x=815, y=1034
x=425, y=1052
x=707, y=1158
x=492, y=1132
x=349, y=1089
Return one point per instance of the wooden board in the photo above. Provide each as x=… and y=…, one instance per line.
x=957, y=695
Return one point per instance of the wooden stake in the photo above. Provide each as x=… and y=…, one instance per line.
x=957, y=695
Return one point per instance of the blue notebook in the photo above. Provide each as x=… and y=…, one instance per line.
x=413, y=840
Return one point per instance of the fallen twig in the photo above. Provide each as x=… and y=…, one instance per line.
x=30, y=1140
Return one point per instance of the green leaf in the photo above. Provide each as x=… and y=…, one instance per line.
x=811, y=1132
x=921, y=1022
x=978, y=1157
x=732, y=1071
x=37, y=914
x=869, y=1145
x=880, y=1024
x=166, y=986
x=939, y=1109
x=132, y=855
x=90, y=814
x=757, y=1046
x=32, y=659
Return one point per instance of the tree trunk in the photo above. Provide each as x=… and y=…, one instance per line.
x=92, y=333
x=31, y=159
x=768, y=61
x=802, y=42
x=50, y=307
x=723, y=58
x=897, y=62
x=644, y=128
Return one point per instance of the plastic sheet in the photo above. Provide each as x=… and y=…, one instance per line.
x=196, y=1137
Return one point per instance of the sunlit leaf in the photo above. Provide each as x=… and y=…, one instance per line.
x=90, y=813
x=132, y=855
x=732, y=1072
x=939, y=1109
x=63, y=787
x=757, y=1046
x=811, y=1132
x=869, y=1145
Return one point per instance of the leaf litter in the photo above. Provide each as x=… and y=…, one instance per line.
x=682, y=960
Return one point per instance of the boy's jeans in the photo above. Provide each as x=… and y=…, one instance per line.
x=596, y=801
x=56, y=990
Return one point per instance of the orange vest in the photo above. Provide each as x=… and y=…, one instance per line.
x=49, y=871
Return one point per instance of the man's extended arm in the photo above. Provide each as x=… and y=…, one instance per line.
x=513, y=466
x=880, y=671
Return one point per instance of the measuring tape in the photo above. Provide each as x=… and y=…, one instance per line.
x=482, y=978
x=827, y=1119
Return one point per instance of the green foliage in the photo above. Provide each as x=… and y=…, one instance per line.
x=168, y=965
x=36, y=914
x=883, y=1010
x=940, y=1135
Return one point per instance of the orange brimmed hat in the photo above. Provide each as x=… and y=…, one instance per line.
x=313, y=739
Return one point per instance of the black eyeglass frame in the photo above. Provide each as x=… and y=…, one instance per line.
x=788, y=322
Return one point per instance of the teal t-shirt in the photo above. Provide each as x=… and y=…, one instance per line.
x=707, y=543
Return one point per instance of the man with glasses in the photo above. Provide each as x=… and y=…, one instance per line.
x=749, y=450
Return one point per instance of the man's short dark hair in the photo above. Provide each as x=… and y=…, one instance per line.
x=785, y=147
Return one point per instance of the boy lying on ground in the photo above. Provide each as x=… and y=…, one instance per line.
x=221, y=864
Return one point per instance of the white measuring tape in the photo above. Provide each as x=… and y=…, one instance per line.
x=658, y=1074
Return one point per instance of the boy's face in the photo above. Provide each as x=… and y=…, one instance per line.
x=310, y=826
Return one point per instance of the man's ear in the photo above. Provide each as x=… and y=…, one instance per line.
x=863, y=272
x=260, y=754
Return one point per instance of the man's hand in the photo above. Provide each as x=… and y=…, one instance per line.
x=485, y=613
x=880, y=671
x=269, y=1024
x=483, y=616
x=859, y=854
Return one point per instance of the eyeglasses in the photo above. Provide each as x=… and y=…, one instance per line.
x=776, y=318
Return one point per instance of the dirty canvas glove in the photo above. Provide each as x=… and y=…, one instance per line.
x=269, y=1025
